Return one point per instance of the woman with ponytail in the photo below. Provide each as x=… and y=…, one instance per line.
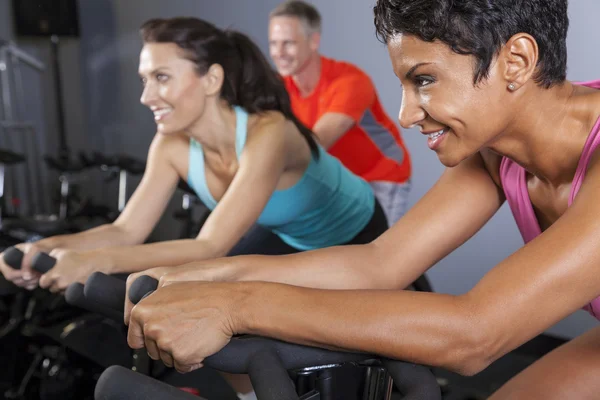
x=225, y=126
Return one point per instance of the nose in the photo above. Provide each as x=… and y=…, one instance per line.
x=411, y=112
x=276, y=50
x=148, y=95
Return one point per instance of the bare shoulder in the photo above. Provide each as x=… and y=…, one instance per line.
x=268, y=124
x=269, y=120
x=169, y=149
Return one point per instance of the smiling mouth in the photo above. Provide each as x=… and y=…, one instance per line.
x=435, y=135
x=160, y=114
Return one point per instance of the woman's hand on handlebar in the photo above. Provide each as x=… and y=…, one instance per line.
x=182, y=323
x=25, y=276
x=71, y=266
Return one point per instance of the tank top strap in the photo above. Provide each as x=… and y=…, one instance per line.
x=241, y=129
x=591, y=143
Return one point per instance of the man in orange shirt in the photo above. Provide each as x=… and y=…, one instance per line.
x=339, y=103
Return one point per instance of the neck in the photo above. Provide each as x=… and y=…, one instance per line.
x=307, y=77
x=215, y=130
x=548, y=135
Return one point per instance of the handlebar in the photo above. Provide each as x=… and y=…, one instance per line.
x=265, y=360
x=41, y=262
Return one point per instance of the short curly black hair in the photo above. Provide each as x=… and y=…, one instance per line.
x=481, y=27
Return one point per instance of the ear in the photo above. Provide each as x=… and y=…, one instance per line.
x=314, y=41
x=519, y=57
x=213, y=80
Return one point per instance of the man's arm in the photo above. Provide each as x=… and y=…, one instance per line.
x=332, y=126
x=347, y=99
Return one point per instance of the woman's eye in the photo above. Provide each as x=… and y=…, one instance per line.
x=162, y=77
x=423, y=81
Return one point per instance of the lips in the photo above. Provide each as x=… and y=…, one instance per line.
x=161, y=113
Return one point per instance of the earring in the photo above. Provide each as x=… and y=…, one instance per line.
x=511, y=86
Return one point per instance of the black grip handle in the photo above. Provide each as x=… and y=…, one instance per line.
x=41, y=262
x=142, y=287
x=13, y=257
x=120, y=383
x=106, y=290
x=267, y=362
x=74, y=295
x=415, y=382
x=269, y=377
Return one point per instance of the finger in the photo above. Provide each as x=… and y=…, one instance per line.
x=34, y=276
x=166, y=358
x=47, y=280
x=135, y=333
x=152, y=349
x=56, y=286
x=186, y=368
x=128, y=306
x=31, y=286
x=12, y=275
x=127, y=311
x=26, y=267
x=19, y=282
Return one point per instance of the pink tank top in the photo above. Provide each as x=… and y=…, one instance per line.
x=514, y=183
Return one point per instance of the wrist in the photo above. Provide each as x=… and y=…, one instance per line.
x=228, y=271
x=105, y=260
x=243, y=312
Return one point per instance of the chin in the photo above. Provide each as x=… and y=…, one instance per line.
x=286, y=71
x=167, y=130
x=450, y=160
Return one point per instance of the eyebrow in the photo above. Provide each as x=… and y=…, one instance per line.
x=154, y=71
x=412, y=70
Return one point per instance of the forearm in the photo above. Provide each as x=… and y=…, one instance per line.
x=387, y=323
x=108, y=235
x=340, y=267
x=170, y=253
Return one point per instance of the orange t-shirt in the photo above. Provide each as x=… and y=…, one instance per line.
x=373, y=147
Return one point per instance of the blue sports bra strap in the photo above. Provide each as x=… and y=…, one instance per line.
x=241, y=129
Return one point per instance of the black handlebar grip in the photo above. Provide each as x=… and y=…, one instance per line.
x=415, y=382
x=74, y=295
x=269, y=378
x=42, y=262
x=120, y=383
x=13, y=257
x=106, y=290
x=142, y=287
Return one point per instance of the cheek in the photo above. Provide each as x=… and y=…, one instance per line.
x=192, y=100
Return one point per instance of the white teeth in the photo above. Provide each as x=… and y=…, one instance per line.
x=161, y=112
x=435, y=135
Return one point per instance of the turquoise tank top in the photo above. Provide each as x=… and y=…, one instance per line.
x=328, y=205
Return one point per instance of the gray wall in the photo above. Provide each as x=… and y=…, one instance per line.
x=40, y=105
